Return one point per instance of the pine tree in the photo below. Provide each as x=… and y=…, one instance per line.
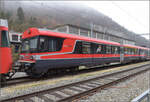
x=20, y=15
x=32, y=22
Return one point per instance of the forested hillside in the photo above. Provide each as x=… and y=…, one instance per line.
x=22, y=15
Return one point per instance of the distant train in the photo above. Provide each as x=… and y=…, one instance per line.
x=5, y=51
x=45, y=51
x=15, y=41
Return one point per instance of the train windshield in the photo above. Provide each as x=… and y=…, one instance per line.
x=4, y=41
x=29, y=45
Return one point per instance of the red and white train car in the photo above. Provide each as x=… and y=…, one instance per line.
x=5, y=51
x=44, y=51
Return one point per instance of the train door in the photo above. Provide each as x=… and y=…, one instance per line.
x=86, y=53
x=93, y=52
x=121, y=54
x=98, y=51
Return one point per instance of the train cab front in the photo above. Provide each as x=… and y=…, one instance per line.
x=25, y=62
x=28, y=54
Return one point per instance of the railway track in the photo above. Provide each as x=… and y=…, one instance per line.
x=19, y=80
x=73, y=91
x=27, y=79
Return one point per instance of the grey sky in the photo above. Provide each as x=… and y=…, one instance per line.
x=133, y=15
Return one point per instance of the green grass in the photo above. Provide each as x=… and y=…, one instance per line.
x=15, y=56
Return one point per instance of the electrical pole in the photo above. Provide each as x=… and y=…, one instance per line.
x=91, y=35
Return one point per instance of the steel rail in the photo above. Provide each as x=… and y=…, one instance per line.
x=26, y=79
x=113, y=78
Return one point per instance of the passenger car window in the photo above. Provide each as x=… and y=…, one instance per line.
x=108, y=49
x=50, y=44
x=4, y=39
x=83, y=47
x=86, y=48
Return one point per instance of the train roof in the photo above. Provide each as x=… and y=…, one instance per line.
x=31, y=32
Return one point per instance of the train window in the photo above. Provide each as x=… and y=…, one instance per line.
x=108, y=49
x=141, y=52
x=55, y=44
x=103, y=49
x=43, y=44
x=136, y=51
x=125, y=51
x=0, y=38
x=83, y=48
x=100, y=49
x=130, y=51
x=97, y=48
x=86, y=47
x=25, y=46
x=4, y=39
x=115, y=50
x=78, y=48
x=15, y=37
x=50, y=44
x=29, y=45
x=119, y=50
x=133, y=51
x=33, y=44
x=93, y=48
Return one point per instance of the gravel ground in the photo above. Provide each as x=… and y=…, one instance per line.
x=124, y=91
x=22, y=89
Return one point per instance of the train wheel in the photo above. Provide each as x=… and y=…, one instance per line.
x=50, y=73
x=74, y=69
x=33, y=74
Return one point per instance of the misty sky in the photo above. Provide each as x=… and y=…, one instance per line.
x=133, y=15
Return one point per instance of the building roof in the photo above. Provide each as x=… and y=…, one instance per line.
x=98, y=28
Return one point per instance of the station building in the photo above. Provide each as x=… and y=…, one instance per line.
x=99, y=32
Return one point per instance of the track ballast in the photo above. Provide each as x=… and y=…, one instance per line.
x=74, y=91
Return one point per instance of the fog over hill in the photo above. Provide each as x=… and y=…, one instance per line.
x=62, y=13
x=51, y=13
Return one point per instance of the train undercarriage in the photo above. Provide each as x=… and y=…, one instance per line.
x=5, y=77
